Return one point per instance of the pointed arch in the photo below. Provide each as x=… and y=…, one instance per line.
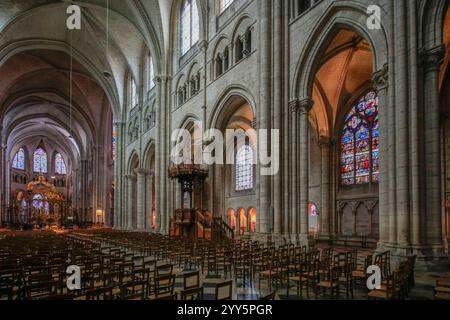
x=342, y=14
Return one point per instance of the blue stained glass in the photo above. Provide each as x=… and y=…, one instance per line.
x=60, y=165
x=19, y=160
x=40, y=161
x=244, y=168
x=359, y=143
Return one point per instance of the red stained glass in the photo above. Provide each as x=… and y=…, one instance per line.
x=359, y=143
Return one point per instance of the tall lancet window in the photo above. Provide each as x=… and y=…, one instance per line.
x=19, y=160
x=244, y=168
x=189, y=25
x=40, y=161
x=133, y=94
x=114, y=141
x=359, y=143
x=60, y=165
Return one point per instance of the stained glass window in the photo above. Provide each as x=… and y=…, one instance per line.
x=151, y=73
x=19, y=160
x=133, y=94
x=60, y=165
x=114, y=141
x=313, y=219
x=224, y=4
x=189, y=26
x=40, y=161
x=244, y=168
x=40, y=204
x=359, y=143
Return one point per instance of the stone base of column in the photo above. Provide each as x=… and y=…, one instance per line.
x=429, y=258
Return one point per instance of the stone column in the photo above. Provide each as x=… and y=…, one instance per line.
x=84, y=190
x=141, y=195
x=415, y=123
x=265, y=107
x=162, y=150
x=305, y=107
x=277, y=100
x=391, y=133
x=402, y=126
x=293, y=106
x=432, y=170
x=325, y=225
x=380, y=79
x=119, y=189
x=129, y=212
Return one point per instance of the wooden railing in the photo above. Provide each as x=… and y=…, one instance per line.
x=221, y=230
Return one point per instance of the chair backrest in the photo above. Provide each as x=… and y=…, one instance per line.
x=133, y=290
x=164, y=285
x=100, y=294
x=162, y=270
x=191, y=280
x=224, y=291
x=192, y=294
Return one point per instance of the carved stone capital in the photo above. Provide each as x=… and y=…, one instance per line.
x=433, y=58
x=293, y=105
x=381, y=78
x=159, y=79
x=203, y=45
x=305, y=105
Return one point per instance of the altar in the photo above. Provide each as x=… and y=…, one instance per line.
x=42, y=205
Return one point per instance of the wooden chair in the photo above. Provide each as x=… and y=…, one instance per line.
x=133, y=291
x=163, y=270
x=227, y=288
x=100, y=294
x=164, y=285
x=359, y=274
x=192, y=294
x=299, y=277
x=345, y=265
x=329, y=281
x=269, y=274
x=389, y=290
x=191, y=280
x=442, y=289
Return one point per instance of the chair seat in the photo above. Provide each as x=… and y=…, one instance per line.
x=445, y=290
x=380, y=294
x=344, y=279
x=298, y=279
x=328, y=284
x=358, y=274
x=442, y=296
x=268, y=273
